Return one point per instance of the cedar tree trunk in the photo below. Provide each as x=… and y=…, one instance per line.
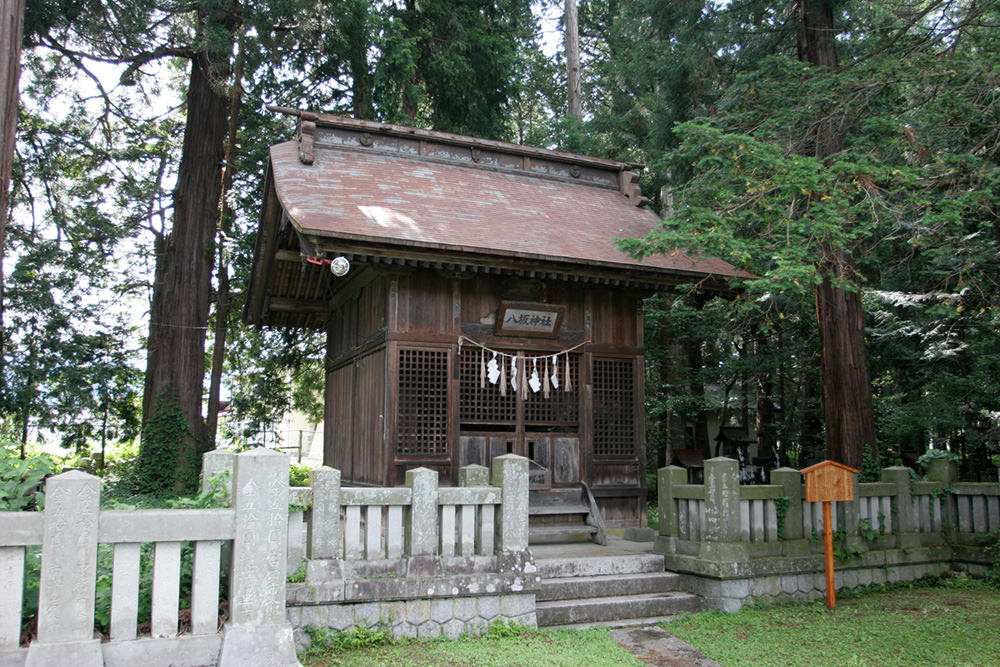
x=574, y=105
x=11, y=23
x=182, y=291
x=847, y=393
x=222, y=302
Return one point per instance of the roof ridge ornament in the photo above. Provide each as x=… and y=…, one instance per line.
x=628, y=183
x=307, y=133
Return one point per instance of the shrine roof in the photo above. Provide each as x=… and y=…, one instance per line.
x=365, y=189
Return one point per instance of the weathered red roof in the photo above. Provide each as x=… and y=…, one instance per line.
x=363, y=194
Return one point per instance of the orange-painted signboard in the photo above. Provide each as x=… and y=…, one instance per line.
x=829, y=481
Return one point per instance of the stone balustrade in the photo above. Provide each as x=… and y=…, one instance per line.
x=71, y=530
x=422, y=559
x=734, y=545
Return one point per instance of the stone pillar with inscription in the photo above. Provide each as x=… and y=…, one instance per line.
x=258, y=632
x=325, y=543
x=69, y=574
x=721, y=541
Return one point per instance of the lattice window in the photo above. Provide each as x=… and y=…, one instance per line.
x=422, y=415
x=482, y=405
x=614, y=407
x=561, y=408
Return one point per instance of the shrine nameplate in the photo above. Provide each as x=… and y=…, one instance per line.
x=529, y=319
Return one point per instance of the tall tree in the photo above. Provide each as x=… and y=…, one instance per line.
x=182, y=291
x=571, y=21
x=11, y=20
x=815, y=178
x=847, y=390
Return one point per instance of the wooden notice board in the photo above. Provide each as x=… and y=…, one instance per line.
x=829, y=482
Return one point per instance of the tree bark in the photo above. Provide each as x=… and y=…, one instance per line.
x=182, y=292
x=672, y=427
x=11, y=25
x=574, y=106
x=222, y=301
x=695, y=363
x=847, y=394
x=764, y=417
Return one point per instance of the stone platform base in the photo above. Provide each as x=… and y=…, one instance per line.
x=448, y=617
x=732, y=594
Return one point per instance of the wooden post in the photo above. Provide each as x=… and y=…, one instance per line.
x=831, y=588
x=829, y=482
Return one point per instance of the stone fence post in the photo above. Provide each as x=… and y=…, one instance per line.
x=946, y=472
x=215, y=463
x=474, y=475
x=324, y=524
x=905, y=521
x=421, y=523
x=667, y=478
x=721, y=535
x=510, y=473
x=790, y=481
x=69, y=574
x=258, y=631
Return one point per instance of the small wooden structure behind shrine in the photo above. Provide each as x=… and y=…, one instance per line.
x=460, y=248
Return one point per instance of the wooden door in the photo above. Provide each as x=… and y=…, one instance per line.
x=542, y=428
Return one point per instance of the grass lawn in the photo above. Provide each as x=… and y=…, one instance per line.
x=558, y=648
x=954, y=623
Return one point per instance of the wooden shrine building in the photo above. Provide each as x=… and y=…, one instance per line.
x=485, y=310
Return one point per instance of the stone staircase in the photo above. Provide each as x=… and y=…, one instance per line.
x=609, y=590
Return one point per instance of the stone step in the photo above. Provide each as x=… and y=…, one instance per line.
x=599, y=566
x=562, y=531
x=591, y=610
x=619, y=623
x=571, y=588
x=575, y=507
x=547, y=496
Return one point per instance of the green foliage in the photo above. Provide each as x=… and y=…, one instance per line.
x=871, y=471
x=991, y=544
x=653, y=515
x=781, y=504
x=502, y=629
x=935, y=455
x=553, y=648
x=323, y=640
x=298, y=474
x=269, y=373
x=842, y=551
x=22, y=481
x=298, y=576
x=908, y=197
x=156, y=470
x=868, y=533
